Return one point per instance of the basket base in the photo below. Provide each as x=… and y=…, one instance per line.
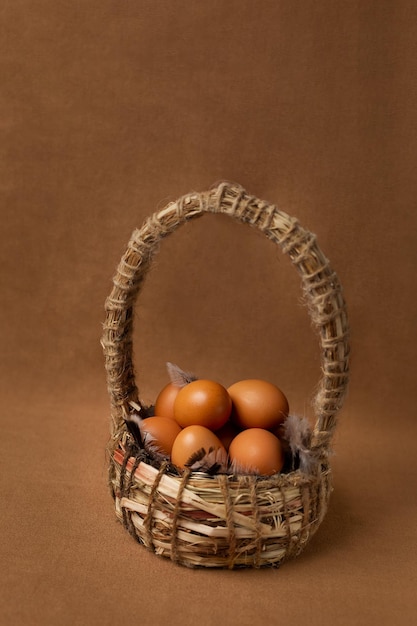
x=220, y=521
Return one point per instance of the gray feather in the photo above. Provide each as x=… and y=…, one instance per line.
x=179, y=377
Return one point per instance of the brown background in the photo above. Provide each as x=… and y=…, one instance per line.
x=110, y=109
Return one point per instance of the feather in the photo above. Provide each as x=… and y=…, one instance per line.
x=133, y=426
x=212, y=462
x=151, y=446
x=179, y=377
x=145, y=441
x=308, y=461
x=297, y=432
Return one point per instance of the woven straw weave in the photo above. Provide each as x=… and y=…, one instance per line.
x=223, y=520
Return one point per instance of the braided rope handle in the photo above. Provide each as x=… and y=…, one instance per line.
x=320, y=285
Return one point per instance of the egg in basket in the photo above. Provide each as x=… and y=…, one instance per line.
x=216, y=477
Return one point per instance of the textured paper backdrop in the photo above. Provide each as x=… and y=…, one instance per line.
x=109, y=111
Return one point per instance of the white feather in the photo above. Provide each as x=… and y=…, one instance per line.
x=297, y=431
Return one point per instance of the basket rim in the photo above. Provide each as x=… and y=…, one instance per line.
x=293, y=477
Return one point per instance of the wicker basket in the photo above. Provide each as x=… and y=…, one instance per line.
x=223, y=520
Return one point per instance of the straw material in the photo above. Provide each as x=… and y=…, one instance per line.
x=223, y=520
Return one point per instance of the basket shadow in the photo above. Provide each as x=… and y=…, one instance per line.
x=340, y=524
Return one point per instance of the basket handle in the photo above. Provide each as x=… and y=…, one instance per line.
x=320, y=284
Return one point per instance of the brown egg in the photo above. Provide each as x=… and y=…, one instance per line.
x=256, y=451
x=257, y=404
x=191, y=440
x=202, y=402
x=160, y=433
x=164, y=404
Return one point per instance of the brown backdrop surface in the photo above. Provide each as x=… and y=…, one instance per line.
x=109, y=111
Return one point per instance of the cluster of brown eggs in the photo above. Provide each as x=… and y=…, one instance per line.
x=240, y=427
